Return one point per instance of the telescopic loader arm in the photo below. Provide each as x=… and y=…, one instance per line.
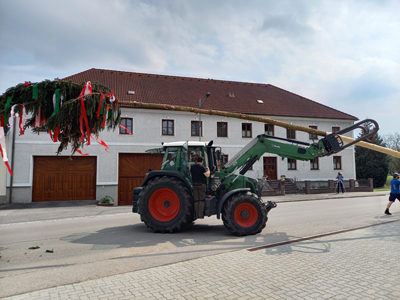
x=293, y=149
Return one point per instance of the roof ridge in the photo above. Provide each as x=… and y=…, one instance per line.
x=176, y=76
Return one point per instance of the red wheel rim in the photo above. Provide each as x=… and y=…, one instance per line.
x=246, y=215
x=164, y=205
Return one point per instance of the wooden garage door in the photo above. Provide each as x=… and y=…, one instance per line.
x=57, y=178
x=132, y=170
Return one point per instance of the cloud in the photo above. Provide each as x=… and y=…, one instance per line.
x=340, y=53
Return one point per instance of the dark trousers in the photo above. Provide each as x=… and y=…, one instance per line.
x=341, y=185
x=199, y=194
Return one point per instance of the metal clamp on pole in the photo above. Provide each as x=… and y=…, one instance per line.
x=333, y=142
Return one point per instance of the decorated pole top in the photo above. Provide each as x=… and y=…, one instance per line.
x=73, y=114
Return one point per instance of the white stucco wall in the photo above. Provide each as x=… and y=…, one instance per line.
x=147, y=133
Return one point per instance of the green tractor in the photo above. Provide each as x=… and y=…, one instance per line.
x=165, y=198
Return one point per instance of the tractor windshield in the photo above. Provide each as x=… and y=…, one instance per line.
x=170, y=159
x=176, y=159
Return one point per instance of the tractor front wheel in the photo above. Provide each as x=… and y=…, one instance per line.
x=165, y=204
x=244, y=214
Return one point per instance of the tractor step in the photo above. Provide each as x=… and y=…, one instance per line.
x=270, y=205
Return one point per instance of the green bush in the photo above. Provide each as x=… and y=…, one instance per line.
x=107, y=199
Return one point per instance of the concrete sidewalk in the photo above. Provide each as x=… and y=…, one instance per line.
x=327, y=196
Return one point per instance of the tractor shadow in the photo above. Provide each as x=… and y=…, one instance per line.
x=195, y=236
x=204, y=237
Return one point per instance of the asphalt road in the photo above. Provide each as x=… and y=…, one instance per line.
x=89, y=242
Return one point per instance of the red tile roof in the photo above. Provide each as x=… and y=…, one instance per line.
x=231, y=96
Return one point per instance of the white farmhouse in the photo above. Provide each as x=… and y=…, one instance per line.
x=41, y=175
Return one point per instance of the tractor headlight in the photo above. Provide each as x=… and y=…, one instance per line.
x=214, y=186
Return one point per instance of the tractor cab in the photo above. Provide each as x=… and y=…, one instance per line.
x=180, y=156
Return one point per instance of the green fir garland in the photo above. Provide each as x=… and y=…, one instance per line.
x=67, y=119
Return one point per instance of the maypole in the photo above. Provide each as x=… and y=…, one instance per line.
x=259, y=119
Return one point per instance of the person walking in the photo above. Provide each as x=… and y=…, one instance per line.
x=394, y=191
x=199, y=179
x=339, y=178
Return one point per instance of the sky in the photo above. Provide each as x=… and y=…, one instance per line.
x=342, y=53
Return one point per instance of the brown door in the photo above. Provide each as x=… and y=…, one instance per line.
x=132, y=170
x=58, y=178
x=270, y=169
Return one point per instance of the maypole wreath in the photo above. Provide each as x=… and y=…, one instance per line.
x=71, y=113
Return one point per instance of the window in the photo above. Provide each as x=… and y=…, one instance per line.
x=269, y=129
x=222, y=129
x=246, y=130
x=291, y=164
x=291, y=134
x=196, y=128
x=167, y=127
x=313, y=136
x=314, y=164
x=335, y=129
x=337, y=162
x=126, y=126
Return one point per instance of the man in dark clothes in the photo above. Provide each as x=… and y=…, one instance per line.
x=394, y=191
x=199, y=179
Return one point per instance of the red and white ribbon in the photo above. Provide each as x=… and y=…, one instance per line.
x=3, y=149
x=87, y=89
x=38, y=120
x=21, y=119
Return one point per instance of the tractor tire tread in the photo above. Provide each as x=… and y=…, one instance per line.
x=186, y=205
x=229, y=219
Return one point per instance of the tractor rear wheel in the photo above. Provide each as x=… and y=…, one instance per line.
x=244, y=214
x=165, y=205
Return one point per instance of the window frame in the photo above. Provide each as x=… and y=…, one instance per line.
x=196, y=124
x=312, y=136
x=246, y=130
x=335, y=129
x=220, y=132
x=162, y=127
x=337, y=160
x=314, y=164
x=290, y=164
x=269, y=126
x=128, y=130
x=289, y=136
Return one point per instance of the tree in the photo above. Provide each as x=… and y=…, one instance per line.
x=392, y=141
x=372, y=164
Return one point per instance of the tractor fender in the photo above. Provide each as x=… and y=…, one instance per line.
x=154, y=174
x=226, y=196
